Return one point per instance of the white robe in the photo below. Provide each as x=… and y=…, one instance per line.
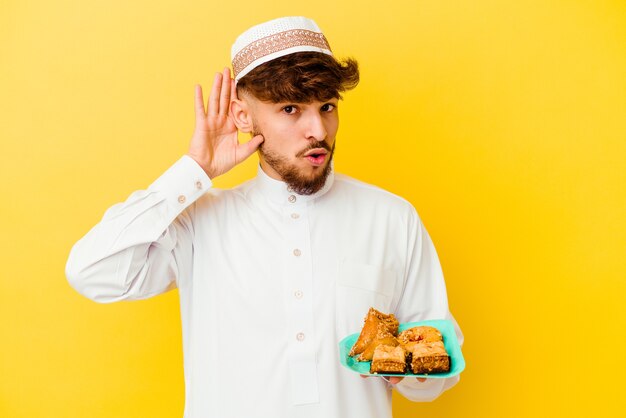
x=269, y=283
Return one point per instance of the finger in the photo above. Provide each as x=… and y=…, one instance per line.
x=421, y=379
x=199, y=102
x=225, y=93
x=364, y=376
x=233, y=90
x=214, y=100
x=247, y=149
x=394, y=380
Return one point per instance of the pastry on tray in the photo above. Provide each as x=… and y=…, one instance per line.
x=389, y=359
x=429, y=357
x=422, y=334
x=372, y=330
x=418, y=350
x=383, y=336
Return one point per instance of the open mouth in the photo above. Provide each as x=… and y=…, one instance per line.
x=316, y=157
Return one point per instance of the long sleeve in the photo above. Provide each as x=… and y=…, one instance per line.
x=424, y=297
x=142, y=246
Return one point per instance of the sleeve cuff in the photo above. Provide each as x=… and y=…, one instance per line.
x=183, y=183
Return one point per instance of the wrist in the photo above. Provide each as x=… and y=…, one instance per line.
x=204, y=164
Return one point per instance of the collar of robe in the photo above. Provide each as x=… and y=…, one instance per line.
x=278, y=192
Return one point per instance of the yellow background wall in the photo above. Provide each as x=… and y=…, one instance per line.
x=503, y=122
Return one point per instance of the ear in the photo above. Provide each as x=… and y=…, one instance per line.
x=240, y=112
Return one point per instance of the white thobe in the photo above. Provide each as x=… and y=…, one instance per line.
x=269, y=282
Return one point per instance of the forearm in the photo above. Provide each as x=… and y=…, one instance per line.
x=425, y=297
x=129, y=253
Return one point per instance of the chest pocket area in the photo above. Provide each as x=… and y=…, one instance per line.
x=359, y=287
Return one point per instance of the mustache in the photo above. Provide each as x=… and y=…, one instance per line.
x=314, y=145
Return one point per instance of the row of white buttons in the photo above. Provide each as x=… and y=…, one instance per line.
x=298, y=294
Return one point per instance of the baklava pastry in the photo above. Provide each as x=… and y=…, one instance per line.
x=383, y=337
x=430, y=357
x=371, y=330
x=389, y=359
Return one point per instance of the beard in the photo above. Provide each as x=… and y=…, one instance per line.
x=291, y=175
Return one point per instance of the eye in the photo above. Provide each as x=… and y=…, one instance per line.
x=328, y=107
x=290, y=109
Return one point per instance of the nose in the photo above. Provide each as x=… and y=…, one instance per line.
x=315, y=128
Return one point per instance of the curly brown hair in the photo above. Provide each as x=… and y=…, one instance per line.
x=300, y=77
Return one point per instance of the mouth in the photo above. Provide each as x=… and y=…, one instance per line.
x=316, y=156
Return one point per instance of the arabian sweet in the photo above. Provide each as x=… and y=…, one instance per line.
x=389, y=359
x=384, y=336
x=430, y=357
x=378, y=328
x=418, y=350
x=422, y=334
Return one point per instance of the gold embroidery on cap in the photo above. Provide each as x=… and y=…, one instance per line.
x=275, y=43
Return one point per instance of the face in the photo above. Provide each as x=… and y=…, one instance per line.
x=299, y=141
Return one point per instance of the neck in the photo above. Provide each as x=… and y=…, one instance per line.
x=267, y=169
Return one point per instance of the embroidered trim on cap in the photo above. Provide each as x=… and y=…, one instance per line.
x=275, y=43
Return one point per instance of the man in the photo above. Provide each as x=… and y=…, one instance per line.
x=275, y=272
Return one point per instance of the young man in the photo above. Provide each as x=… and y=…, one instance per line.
x=275, y=272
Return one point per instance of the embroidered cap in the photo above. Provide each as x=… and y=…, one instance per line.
x=273, y=39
